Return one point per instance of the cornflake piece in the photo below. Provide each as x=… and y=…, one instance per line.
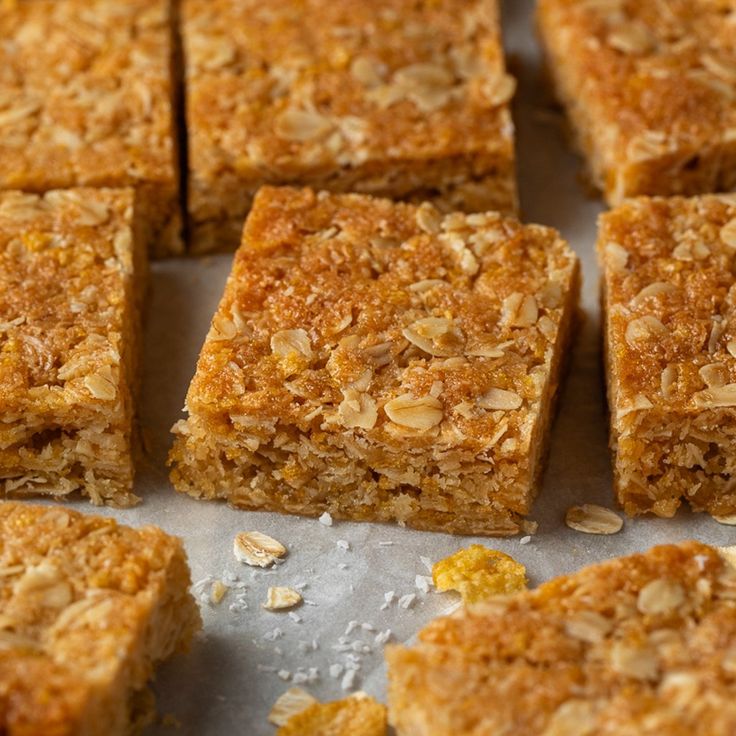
x=672, y=389
x=357, y=715
x=279, y=598
x=256, y=113
x=648, y=88
x=218, y=591
x=90, y=607
x=337, y=290
x=69, y=343
x=87, y=101
x=479, y=573
x=593, y=519
x=257, y=549
x=636, y=645
x=293, y=701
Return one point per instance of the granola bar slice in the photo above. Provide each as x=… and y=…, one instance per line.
x=649, y=90
x=641, y=645
x=402, y=100
x=72, y=264
x=669, y=295
x=88, y=608
x=86, y=100
x=381, y=361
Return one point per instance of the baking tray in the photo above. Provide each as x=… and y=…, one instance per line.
x=229, y=680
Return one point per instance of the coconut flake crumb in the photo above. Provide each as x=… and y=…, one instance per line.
x=273, y=635
x=423, y=583
x=352, y=625
x=348, y=680
x=385, y=544
x=525, y=540
x=388, y=599
x=295, y=617
x=426, y=562
x=342, y=565
x=326, y=519
x=343, y=544
x=336, y=670
x=382, y=636
x=366, y=626
x=284, y=675
x=407, y=601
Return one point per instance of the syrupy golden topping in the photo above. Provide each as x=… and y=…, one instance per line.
x=66, y=297
x=348, y=312
x=670, y=295
x=285, y=87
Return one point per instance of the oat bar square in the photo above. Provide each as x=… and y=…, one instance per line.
x=669, y=295
x=381, y=361
x=72, y=265
x=86, y=100
x=649, y=90
x=88, y=608
x=641, y=645
x=402, y=100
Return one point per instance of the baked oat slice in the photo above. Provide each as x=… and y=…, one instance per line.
x=649, y=90
x=380, y=361
x=86, y=99
x=72, y=265
x=87, y=608
x=401, y=100
x=669, y=297
x=641, y=645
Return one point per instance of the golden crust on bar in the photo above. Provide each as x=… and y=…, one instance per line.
x=72, y=267
x=381, y=361
x=669, y=296
x=88, y=608
x=641, y=645
x=648, y=86
x=388, y=98
x=86, y=100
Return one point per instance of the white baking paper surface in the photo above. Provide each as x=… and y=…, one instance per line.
x=226, y=685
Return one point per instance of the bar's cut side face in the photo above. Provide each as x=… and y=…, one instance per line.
x=379, y=361
x=669, y=294
x=71, y=270
x=88, y=608
x=649, y=89
x=641, y=645
x=86, y=100
x=402, y=100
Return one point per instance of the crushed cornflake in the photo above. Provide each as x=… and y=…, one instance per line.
x=293, y=701
x=218, y=591
x=478, y=573
x=326, y=519
x=279, y=598
x=357, y=713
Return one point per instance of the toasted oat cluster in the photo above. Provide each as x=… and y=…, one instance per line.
x=649, y=89
x=397, y=99
x=669, y=294
x=87, y=608
x=381, y=361
x=72, y=264
x=86, y=100
x=640, y=645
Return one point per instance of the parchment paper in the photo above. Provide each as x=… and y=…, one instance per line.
x=225, y=684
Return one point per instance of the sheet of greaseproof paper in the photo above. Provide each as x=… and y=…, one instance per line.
x=228, y=682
